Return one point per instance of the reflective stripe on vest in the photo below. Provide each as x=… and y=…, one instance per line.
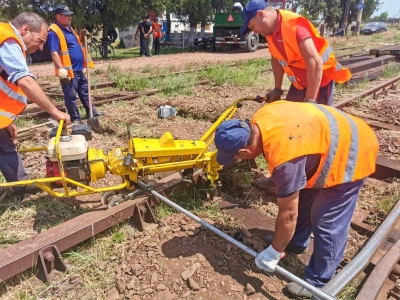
x=12, y=94
x=64, y=54
x=347, y=145
x=331, y=68
x=353, y=153
x=13, y=100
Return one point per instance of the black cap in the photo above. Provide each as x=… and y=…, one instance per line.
x=62, y=10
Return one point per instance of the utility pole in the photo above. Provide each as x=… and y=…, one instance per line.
x=358, y=22
x=346, y=15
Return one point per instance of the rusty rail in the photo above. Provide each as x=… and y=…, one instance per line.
x=24, y=255
x=376, y=279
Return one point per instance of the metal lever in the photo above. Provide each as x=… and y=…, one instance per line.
x=316, y=291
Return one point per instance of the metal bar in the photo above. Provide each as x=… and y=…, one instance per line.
x=344, y=103
x=24, y=255
x=337, y=283
x=374, y=283
x=316, y=291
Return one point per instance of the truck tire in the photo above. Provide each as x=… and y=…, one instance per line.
x=252, y=41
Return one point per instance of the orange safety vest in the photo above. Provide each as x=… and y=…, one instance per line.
x=348, y=146
x=156, y=30
x=12, y=99
x=331, y=68
x=64, y=55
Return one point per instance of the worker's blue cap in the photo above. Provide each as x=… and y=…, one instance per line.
x=230, y=137
x=249, y=11
x=62, y=10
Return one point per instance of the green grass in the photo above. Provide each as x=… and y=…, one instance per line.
x=391, y=70
x=243, y=74
x=192, y=200
x=261, y=162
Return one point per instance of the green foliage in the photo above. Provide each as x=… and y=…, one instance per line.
x=118, y=237
x=244, y=74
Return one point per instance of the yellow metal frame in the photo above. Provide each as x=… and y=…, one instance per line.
x=149, y=156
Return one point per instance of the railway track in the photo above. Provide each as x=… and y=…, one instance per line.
x=384, y=258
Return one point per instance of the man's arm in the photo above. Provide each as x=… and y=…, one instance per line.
x=278, y=72
x=314, y=67
x=285, y=221
x=56, y=60
x=35, y=94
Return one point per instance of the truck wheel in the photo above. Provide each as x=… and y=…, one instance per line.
x=252, y=40
x=225, y=47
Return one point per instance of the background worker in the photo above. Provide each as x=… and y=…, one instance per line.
x=297, y=50
x=141, y=35
x=147, y=30
x=26, y=34
x=69, y=58
x=319, y=158
x=156, y=35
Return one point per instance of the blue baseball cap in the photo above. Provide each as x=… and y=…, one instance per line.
x=230, y=137
x=62, y=10
x=249, y=11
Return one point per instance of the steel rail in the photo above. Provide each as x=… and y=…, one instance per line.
x=316, y=291
x=375, y=89
x=358, y=263
x=379, y=274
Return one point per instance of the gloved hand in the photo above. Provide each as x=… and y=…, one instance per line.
x=274, y=95
x=84, y=71
x=63, y=76
x=268, y=259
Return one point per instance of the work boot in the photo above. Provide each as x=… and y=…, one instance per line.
x=289, y=249
x=77, y=122
x=296, y=290
x=264, y=183
x=27, y=190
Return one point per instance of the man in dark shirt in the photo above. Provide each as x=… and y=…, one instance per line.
x=142, y=41
x=147, y=30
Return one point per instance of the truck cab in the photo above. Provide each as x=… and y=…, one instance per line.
x=226, y=32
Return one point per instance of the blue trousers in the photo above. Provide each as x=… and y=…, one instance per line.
x=78, y=85
x=324, y=96
x=10, y=161
x=142, y=45
x=327, y=214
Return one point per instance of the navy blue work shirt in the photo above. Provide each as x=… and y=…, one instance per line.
x=74, y=49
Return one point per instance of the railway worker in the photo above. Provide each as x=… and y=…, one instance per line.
x=69, y=58
x=26, y=34
x=157, y=35
x=297, y=50
x=319, y=158
x=142, y=41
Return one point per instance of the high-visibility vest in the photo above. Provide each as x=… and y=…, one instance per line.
x=64, y=55
x=156, y=30
x=331, y=68
x=12, y=99
x=348, y=146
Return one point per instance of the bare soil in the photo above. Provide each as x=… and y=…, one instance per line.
x=164, y=252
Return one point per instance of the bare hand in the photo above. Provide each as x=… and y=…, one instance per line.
x=274, y=95
x=85, y=32
x=62, y=116
x=13, y=131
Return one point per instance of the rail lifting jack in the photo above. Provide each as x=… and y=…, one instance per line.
x=71, y=166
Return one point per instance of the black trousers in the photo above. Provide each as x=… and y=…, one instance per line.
x=157, y=46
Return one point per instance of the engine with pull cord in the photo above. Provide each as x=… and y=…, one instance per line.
x=72, y=165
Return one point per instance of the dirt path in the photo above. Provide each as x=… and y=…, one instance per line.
x=179, y=61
